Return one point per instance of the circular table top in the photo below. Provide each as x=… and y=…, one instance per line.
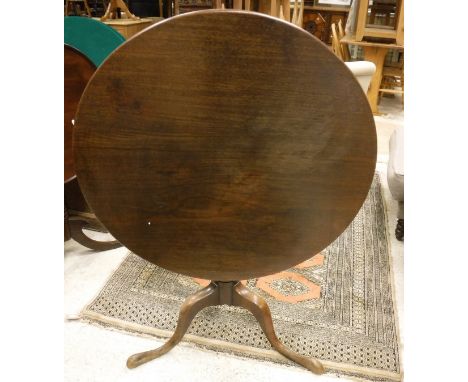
x=224, y=145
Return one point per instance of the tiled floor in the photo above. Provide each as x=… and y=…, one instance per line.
x=96, y=354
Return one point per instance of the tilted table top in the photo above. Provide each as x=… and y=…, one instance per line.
x=224, y=145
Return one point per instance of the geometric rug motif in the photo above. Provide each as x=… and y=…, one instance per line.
x=337, y=306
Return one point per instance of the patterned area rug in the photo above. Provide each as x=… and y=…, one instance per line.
x=337, y=307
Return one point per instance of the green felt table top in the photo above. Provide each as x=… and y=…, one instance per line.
x=93, y=38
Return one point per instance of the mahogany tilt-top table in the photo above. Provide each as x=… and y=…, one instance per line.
x=224, y=145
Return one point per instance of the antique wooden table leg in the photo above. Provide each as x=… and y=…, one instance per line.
x=205, y=297
x=259, y=308
x=229, y=293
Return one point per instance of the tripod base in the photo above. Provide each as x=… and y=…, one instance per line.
x=229, y=293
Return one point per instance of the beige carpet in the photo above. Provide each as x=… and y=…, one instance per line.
x=337, y=307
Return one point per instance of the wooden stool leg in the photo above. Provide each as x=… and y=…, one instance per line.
x=205, y=297
x=259, y=308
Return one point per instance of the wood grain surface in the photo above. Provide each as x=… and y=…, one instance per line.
x=78, y=69
x=224, y=145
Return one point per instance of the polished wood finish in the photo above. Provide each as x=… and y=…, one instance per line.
x=232, y=293
x=231, y=153
x=78, y=69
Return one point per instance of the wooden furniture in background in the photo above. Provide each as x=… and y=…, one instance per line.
x=127, y=27
x=276, y=8
x=98, y=7
x=374, y=52
x=189, y=6
x=336, y=45
x=382, y=7
x=315, y=24
x=76, y=4
x=344, y=48
x=114, y=10
x=362, y=70
x=365, y=29
x=318, y=20
x=146, y=8
x=254, y=174
x=393, y=79
x=298, y=13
